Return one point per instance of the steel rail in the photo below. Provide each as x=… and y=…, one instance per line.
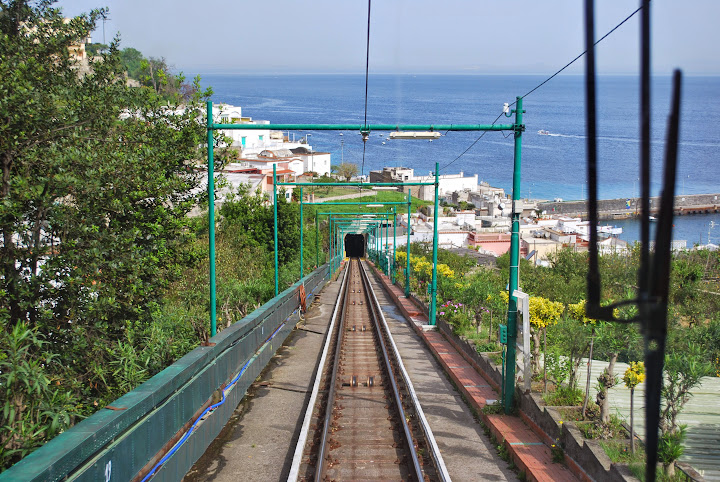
x=320, y=466
x=437, y=457
x=300, y=447
x=374, y=310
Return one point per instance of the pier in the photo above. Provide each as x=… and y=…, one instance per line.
x=630, y=207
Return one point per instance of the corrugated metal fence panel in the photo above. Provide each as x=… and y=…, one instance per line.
x=118, y=443
x=182, y=460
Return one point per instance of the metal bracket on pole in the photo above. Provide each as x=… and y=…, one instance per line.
x=524, y=337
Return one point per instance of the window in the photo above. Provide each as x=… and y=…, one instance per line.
x=261, y=138
x=243, y=140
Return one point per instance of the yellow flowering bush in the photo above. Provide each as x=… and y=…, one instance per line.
x=422, y=268
x=634, y=375
x=577, y=312
x=543, y=312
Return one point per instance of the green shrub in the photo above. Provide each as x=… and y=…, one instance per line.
x=565, y=396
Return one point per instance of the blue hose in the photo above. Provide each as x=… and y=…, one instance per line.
x=211, y=407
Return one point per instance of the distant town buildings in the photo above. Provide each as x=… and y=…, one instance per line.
x=448, y=182
x=256, y=146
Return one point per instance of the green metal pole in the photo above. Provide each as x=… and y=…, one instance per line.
x=376, y=243
x=407, y=247
x=317, y=241
x=330, y=245
x=302, y=226
x=275, y=230
x=331, y=250
x=211, y=219
x=378, y=254
x=380, y=250
x=433, y=286
x=514, y=264
x=394, y=243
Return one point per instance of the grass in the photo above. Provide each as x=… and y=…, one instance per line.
x=370, y=196
x=575, y=413
x=619, y=453
x=331, y=191
x=496, y=358
x=494, y=408
x=593, y=429
x=564, y=397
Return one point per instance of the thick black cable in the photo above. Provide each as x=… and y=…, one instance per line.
x=367, y=72
x=471, y=145
x=548, y=80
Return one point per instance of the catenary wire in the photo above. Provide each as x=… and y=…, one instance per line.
x=367, y=72
x=545, y=82
x=580, y=55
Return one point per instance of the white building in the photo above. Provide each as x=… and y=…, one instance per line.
x=252, y=141
x=448, y=182
x=317, y=162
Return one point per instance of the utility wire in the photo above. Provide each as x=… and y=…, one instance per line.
x=579, y=56
x=367, y=71
x=471, y=145
x=546, y=81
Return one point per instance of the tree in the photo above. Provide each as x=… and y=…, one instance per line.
x=97, y=179
x=634, y=376
x=684, y=369
x=94, y=49
x=347, y=170
x=132, y=62
x=252, y=214
x=613, y=337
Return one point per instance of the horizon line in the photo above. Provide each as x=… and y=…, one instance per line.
x=457, y=73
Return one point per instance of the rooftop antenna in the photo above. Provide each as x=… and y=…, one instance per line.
x=104, y=14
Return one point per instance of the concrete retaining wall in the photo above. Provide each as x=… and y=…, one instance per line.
x=683, y=204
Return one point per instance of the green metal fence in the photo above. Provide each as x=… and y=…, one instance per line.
x=125, y=442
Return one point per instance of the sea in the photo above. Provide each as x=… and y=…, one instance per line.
x=553, y=165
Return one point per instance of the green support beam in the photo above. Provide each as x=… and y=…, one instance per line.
x=302, y=273
x=514, y=263
x=211, y=220
x=364, y=128
x=433, y=286
x=357, y=184
x=407, y=248
x=394, y=243
x=345, y=203
x=275, y=231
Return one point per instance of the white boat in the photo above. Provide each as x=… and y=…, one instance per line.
x=543, y=132
x=652, y=219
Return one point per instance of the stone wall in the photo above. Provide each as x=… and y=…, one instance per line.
x=630, y=206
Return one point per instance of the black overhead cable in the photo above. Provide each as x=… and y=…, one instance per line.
x=579, y=56
x=367, y=71
x=547, y=80
x=471, y=145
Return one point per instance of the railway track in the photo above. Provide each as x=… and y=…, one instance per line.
x=363, y=421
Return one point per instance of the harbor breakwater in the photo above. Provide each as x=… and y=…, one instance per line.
x=630, y=207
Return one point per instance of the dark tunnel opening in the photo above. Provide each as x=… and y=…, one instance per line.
x=355, y=245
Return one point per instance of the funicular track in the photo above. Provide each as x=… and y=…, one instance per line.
x=364, y=422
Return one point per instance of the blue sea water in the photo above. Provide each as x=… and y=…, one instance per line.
x=552, y=165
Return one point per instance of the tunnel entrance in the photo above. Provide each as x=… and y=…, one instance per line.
x=355, y=245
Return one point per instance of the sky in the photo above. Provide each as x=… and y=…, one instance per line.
x=413, y=36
